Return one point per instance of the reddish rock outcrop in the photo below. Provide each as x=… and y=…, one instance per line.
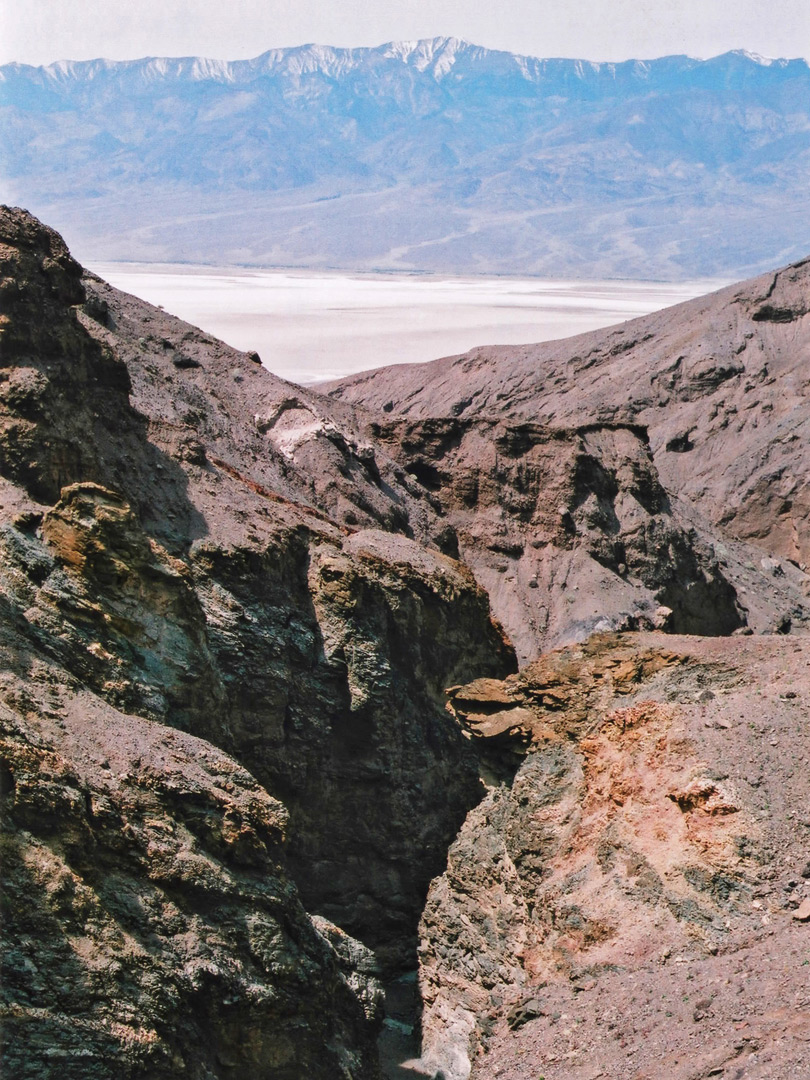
x=644, y=852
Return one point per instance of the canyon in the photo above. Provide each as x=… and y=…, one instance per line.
x=485, y=678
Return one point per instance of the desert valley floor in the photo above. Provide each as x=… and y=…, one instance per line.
x=309, y=326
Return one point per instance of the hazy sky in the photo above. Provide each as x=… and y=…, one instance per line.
x=40, y=31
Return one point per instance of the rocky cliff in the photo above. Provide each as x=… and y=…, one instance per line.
x=616, y=908
x=718, y=382
x=568, y=529
x=615, y=905
x=231, y=785
x=195, y=545
x=150, y=924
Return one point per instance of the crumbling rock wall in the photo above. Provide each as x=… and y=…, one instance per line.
x=568, y=530
x=187, y=578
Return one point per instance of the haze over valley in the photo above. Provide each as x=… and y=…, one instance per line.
x=310, y=326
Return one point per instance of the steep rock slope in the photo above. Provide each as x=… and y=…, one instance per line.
x=719, y=382
x=568, y=530
x=431, y=155
x=150, y=925
x=634, y=901
x=172, y=558
x=294, y=442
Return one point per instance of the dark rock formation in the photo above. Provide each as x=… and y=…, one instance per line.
x=627, y=825
x=150, y=925
x=195, y=546
x=717, y=385
x=55, y=378
x=568, y=530
x=313, y=661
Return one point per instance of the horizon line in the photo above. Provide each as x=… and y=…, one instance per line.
x=413, y=44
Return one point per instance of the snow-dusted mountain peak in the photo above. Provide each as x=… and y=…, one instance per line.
x=438, y=52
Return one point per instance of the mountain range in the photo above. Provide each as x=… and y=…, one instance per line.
x=435, y=155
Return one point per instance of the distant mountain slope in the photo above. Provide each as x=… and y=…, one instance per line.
x=431, y=155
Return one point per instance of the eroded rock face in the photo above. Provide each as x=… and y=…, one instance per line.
x=334, y=659
x=314, y=659
x=52, y=375
x=206, y=571
x=192, y=549
x=213, y=412
x=150, y=924
x=719, y=382
x=569, y=531
x=634, y=835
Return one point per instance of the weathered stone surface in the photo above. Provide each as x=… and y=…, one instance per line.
x=568, y=529
x=191, y=547
x=647, y=823
x=181, y=567
x=53, y=376
x=150, y=925
x=314, y=661
x=196, y=574
x=718, y=384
